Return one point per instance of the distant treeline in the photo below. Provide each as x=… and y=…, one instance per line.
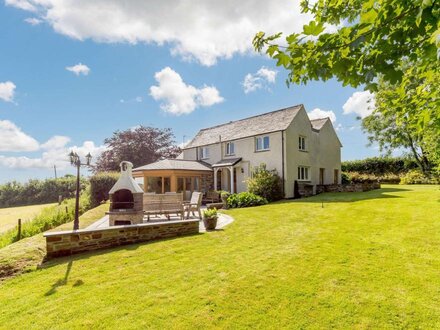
x=38, y=191
x=380, y=165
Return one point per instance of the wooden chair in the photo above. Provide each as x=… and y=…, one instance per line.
x=194, y=204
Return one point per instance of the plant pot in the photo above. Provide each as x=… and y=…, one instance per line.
x=210, y=223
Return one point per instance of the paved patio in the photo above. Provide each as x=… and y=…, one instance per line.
x=223, y=220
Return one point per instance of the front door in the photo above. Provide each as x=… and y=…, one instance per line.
x=321, y=176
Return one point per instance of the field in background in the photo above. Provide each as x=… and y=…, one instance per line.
x=10, y=215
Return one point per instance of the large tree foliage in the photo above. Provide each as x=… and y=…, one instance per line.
x=398, y=111
x=141, y=145
x=373, y=38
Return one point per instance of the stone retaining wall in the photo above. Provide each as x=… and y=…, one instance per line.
x=64, y=243
x=352, y=187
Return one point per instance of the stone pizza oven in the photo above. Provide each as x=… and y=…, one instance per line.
x=126, y=199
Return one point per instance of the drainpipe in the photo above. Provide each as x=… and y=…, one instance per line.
x=282, y=163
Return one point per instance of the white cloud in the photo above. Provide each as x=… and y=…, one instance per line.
x=360, y=103
x=180, y=98
x=258, y=80
x=12, y=138
x=202, y=30
x=56, y=142
x=54, y=151
x=33, y=21
x=22, y=4
x=7, y=90
x=55, y=156
x=318, y=113
x=79, y=69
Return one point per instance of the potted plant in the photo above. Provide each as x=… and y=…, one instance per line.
x=210, y=219
x=224, y=196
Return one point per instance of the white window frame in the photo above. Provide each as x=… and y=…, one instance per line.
x=304, y=173
x=302, y=143
x=204, y=152
x=260, y=140
x=230, y=149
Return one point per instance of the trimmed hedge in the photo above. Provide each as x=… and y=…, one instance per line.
x=417, y=177
x=100, y=185
x=379, y=165
x=38, y=191
x=245, y=199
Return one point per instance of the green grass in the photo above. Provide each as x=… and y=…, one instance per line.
x=27, y=254
x=363, y=260
x=10, y=215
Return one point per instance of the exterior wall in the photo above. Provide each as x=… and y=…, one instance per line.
x=77, y=241
x=244, y=148
x=323, y=150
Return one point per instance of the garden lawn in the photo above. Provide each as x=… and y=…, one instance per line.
x=10, y=215
x=347, y=260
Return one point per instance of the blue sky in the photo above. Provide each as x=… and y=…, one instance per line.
x=49, y=110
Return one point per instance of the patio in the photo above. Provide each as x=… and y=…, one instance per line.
x=223, y=220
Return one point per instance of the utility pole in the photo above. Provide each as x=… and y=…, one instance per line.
x=55, y=170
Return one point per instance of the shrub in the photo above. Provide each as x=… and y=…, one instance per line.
x=100, y=185
x=245, y=199
x=210, y=213
x=356, y=177
x=417, y=177
x=345, y=178
x=380, y=165
x=48, y=218
x=38, y=191
x=266, y=184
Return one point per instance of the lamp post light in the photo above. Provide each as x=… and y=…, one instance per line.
x=76, y=161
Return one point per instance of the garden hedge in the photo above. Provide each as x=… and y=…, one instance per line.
x=100, y=185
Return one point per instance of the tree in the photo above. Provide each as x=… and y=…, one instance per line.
x=399, y=108
x=141, y=145
x=373, y=39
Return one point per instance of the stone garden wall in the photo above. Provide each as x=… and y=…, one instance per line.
x=352, y=187
x=71, y=242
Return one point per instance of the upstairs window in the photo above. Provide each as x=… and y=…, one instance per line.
x=230, y=148
x=204, y=152
x=302, y=143
x=262, y=143
x=303, y=173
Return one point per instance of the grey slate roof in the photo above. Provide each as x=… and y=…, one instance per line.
x=227, y=162
x=269, y=122
x=175, y=164
x=318, y=123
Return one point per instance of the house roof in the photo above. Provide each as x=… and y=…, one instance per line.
x=175, y=164
x=318, y=123
x=269, y=122
x=227, y=162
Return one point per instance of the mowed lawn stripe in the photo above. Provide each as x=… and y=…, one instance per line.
x=364, y=260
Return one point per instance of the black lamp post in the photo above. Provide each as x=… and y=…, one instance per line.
x=76, y=161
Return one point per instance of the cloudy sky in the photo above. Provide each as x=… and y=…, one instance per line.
x=73, y=72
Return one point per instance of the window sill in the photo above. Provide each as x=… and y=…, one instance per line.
x=262, y=150
x=303, y=150
x=229, y=155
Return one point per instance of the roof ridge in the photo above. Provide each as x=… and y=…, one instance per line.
x=254, y=116
x=320, y=118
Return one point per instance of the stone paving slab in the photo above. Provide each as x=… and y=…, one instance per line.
x=223, y=220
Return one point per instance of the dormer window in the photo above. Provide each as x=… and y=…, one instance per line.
x=302, y=143
x=204, y=152
x=230, y=148
x=262, y=143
